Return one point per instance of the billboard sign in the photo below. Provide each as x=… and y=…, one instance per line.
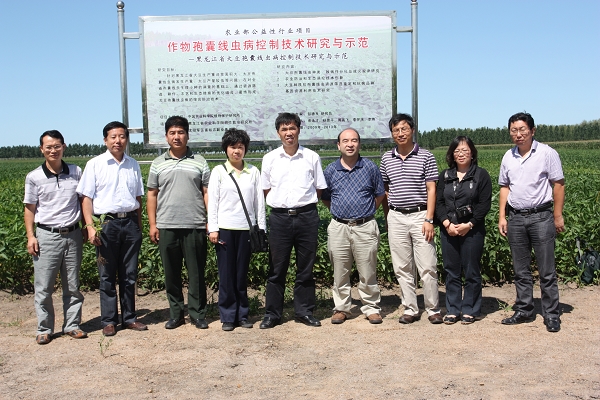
x=336, y=70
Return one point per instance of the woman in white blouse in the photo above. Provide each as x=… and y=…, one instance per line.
x=228, y=227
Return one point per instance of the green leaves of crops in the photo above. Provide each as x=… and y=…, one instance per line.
x=581, y=213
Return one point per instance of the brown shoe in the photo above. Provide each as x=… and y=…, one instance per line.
x=408, y=319
x=77, y=334
x=136, y=326
x=44, y=338
x=109, y=330
x=374, y=318
x=436, y=318
x=338, y=317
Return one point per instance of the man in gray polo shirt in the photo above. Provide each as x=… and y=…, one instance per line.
x=531, y=177
x=52, y=204
x=176, y=205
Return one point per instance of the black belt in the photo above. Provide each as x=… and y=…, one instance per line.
x=62, y=231
x=294, y=211
x=527, y=211
x=353, y=222
x=121, y=215
x=409, y=210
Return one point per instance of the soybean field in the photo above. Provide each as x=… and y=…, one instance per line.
x=581, y=213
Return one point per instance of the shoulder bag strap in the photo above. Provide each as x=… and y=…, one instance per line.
x=240, y=194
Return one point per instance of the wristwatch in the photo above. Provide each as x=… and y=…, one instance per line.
x=429, y=220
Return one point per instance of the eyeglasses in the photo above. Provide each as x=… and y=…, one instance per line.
x=50, y=148
x=522, y=130
x=404, y=129
x=461, y=151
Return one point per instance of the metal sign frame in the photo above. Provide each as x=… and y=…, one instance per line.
x=414, y=66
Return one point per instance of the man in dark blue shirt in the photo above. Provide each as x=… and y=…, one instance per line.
x=354, y=191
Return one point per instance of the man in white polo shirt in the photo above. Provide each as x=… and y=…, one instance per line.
x=112, y=186
x=532, y=195
x=292, y=179
x=52, y=204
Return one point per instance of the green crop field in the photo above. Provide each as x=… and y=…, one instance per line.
x=582, y=218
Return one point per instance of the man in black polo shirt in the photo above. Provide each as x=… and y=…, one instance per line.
x=52, y=204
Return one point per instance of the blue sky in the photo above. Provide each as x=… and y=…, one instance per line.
x=479, y=61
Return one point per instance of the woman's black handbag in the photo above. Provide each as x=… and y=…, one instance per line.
x=259, y=241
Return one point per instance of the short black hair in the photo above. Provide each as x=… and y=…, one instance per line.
x=396, y=119
x=287, y=118
x=54, y=134
x=234, y=136
x=115, y=125
x=179, y=121
x=454, y=144
x=348, y=129
x=522, y=116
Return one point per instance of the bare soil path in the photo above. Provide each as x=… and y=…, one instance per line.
x=355, y=360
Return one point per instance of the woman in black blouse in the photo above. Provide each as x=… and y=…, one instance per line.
x=464, y=194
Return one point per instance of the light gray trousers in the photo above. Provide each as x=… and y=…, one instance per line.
x=58, y=253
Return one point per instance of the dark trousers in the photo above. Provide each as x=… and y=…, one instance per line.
x=535, y=231
x=175, y=245
x=462, y=254
x=118, y=258
x=300, y=232
x=233, y=260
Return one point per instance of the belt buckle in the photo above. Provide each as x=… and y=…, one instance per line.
x=63, y=231
x=121, y=215
x=291, y=211
x=352, y=222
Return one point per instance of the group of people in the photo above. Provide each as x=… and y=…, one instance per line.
x=189, y=205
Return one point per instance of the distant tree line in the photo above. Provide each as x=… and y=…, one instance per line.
x=72, y=150
x=545, y=133
x=440, y=137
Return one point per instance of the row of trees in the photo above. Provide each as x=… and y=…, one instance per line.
x=546, y=133
x=73, y=150
x=428, y=139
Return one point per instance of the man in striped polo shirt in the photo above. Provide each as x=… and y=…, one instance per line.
x=52, y=204
x=176, y=205
x=409, y=175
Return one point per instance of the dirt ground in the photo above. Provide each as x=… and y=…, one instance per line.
x=355, y=360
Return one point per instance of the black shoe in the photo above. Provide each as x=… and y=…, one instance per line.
x=518, y=318
x=245, y=324
x=309, y=320
x=552, y=324
x=228, y=326
x=174, y=323
x=269, y=322
x=200, y=323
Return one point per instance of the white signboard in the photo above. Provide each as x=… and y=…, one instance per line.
x=334, y=70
